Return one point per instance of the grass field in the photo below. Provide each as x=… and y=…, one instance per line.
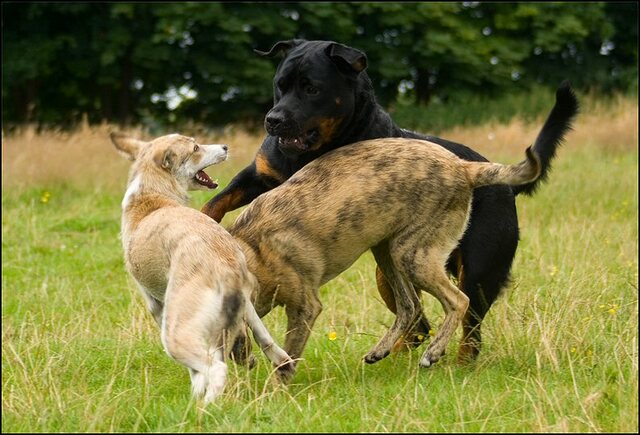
x=81, y=354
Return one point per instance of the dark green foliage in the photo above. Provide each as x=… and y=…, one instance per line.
x=120, y=62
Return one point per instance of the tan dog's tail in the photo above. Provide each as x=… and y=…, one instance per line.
x=483, y=174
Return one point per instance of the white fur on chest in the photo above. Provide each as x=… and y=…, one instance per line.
x=132, y=189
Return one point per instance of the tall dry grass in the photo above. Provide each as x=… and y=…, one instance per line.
x=612, y=125
x=86, y=156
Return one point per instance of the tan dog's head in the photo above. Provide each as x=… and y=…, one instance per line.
x=180, y=156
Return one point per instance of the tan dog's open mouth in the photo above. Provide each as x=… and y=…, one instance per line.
x=204, y=180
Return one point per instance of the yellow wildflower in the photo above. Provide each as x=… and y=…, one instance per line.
x=45, y=197
x=333, y=335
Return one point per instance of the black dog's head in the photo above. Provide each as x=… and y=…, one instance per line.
x=314, y=93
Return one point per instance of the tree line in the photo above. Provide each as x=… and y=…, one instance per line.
x=174, y=62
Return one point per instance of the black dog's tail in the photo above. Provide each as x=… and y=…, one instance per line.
x=550, y=137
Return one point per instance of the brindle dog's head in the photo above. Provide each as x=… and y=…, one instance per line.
x=314, y=93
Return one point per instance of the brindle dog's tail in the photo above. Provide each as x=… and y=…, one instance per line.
x=550, y=137
x=526, y=172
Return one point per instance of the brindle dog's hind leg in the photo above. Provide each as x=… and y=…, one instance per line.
x=420, y=330
x=301, y=315
x=427, y=271
x=407, y=304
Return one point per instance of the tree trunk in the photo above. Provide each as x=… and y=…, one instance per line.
x=124, y=94
x=423, y=88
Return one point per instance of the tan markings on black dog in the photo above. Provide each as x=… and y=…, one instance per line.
x=411, y=215
x=264, y=168
x=228, y=202
x=190, y=271
x=327, y=128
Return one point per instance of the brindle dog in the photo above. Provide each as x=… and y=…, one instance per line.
x=407, y=200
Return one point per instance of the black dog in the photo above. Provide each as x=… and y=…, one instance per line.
x=324, y=100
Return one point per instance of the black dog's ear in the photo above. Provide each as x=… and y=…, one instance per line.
x=279, y=47
x=355, y=59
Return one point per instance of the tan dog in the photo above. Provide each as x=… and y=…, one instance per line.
x=190, y=271
x=405, y=199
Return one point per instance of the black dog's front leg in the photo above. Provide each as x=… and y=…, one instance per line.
x=246, y=186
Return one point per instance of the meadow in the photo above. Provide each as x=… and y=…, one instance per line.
x=560, y=347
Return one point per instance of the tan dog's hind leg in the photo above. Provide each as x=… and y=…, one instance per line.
x=285, y=365
x=155, y=306
x=193, y=334
x=206, y=364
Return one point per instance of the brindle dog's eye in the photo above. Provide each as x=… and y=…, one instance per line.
x=311, y=90
x=196, y=148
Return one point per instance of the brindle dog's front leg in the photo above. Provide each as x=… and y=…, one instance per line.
x=301, y=315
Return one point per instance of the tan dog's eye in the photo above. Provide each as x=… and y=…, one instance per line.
x=196, y=148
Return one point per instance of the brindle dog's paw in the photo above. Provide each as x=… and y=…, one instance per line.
x=375, y=356
x=430, y=358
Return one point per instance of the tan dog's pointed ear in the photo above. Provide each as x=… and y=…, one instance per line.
x=127, y=145
x=165, y=159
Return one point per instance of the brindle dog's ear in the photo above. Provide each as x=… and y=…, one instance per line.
x=279, y=47
x=354, y=59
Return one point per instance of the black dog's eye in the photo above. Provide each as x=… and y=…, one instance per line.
x=196, y=148
x=311, y=90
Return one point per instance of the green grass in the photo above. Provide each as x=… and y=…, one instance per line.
x=81, y=354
